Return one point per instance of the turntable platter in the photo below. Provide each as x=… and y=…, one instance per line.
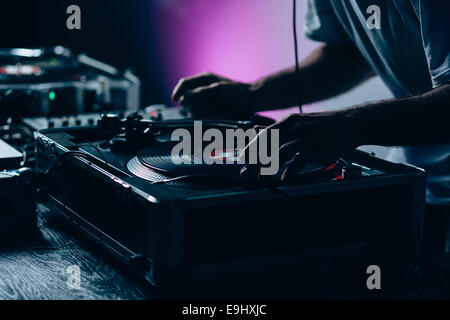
x=156, y=164
x=158, y=158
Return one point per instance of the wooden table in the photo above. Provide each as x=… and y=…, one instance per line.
x=38, y=269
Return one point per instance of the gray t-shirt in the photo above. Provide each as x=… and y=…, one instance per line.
x=410, y=52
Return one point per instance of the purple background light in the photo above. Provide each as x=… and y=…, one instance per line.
x=242, y=40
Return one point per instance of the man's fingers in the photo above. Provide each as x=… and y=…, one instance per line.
x=191, y=83
x=253, y=145
x=288, y=150
x=293, y=168
x=251, y=172
x=201, y=99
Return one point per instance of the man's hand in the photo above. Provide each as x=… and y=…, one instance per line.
x=413, y=121
x=311, y=137
x=331, y=69
x=209, y=95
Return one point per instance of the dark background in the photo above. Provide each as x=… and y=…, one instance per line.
x=165, y=40
x=115, y=31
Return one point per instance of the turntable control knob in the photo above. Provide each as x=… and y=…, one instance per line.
x=156, y=115
x=109, y=122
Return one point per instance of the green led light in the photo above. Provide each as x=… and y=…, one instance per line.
x=53, y=62
x=52, y=95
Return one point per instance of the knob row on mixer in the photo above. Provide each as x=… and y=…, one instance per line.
x=42, y=123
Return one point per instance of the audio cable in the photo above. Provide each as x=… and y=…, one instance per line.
x=297, y=67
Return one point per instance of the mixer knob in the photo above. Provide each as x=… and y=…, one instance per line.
x=109, y=122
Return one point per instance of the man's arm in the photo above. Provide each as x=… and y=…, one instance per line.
x=330, y=70
x=418, y=120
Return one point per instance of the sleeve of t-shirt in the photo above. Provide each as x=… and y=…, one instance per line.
x=435, y=24
x=322, y=24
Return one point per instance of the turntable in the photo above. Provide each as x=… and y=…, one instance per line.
x=117, y=184
x=55, y=81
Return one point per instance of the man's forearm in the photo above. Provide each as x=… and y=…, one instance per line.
x=419, y=120
x=328, y=71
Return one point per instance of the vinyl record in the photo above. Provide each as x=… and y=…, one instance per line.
x=156, y=163
x=159, y=157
